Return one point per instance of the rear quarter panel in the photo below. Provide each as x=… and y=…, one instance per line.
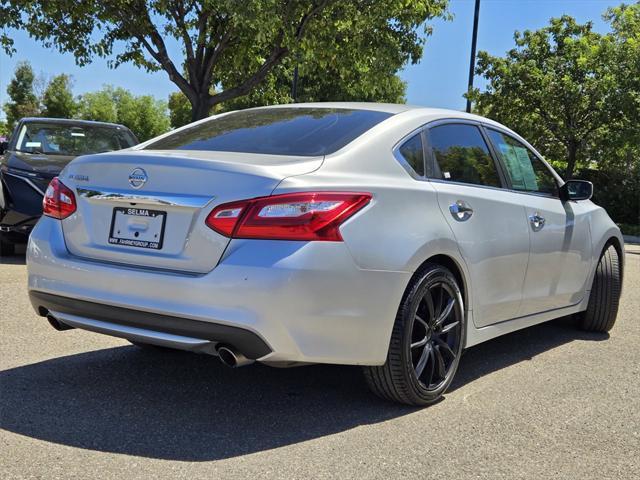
x=403, y=225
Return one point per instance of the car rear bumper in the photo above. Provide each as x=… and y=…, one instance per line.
x=299, y=301
x=125, y=322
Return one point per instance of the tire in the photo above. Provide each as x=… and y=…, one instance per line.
x=423, y=329
x=7, y=249
x=601, y=312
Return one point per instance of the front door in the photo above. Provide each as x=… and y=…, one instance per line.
x=560, y=236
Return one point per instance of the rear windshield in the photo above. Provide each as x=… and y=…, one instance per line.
x=71, y=140
x=275, y=131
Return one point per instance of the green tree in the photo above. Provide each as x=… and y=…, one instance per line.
x=233, y=45
x=23, y=101
x=621, y=48
x=57, y=100
x=551, y=87
x=144, y=115
x=365, y=80
x=4, y=129
x=179, y=110
x=98, y=106
x=575, y=94
x=617, y=177
x=150, y=117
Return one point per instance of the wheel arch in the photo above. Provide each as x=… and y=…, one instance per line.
x=610, y=237
x=454, y=266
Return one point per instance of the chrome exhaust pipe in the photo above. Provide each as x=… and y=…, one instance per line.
x=57, y=325
x=232, y=358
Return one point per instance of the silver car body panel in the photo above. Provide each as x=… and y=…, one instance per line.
x=326, y=302
x=292, y=294
x=203, y=179
x=561, y=254
x=497, y=262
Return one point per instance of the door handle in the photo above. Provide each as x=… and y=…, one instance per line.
x=537, y=222
x=461, y=211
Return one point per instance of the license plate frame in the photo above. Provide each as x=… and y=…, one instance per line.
x=128, y=239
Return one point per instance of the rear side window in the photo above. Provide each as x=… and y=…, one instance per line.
x=526, y=171
x=413, y=154
x=275, y=131
x=462, y=155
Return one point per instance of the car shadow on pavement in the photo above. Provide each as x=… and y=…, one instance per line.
x=180, y=406
x=517, y=347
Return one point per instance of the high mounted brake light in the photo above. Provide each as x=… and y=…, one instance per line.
x=292, y=216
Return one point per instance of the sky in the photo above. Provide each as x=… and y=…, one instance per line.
x=438, y=80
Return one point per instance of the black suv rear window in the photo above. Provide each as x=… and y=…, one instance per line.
x=275, y=131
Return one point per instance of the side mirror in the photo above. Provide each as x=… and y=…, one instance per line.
x=576, y=190
x=3, y=147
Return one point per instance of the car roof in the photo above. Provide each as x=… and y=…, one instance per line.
x=393, y=109
x=70, y=121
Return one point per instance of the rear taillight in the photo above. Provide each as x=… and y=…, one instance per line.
x=292, y=216
x=59, y=201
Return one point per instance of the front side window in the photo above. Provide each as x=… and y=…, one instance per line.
x=304, y=131
x=71, y=140
x=462, y=155
x=526, y=171
x=413, y=154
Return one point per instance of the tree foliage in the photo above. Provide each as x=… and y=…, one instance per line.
x=575, y=94
x=144, y=115
x=233, y=46
x=23, y=102
x=622, y=50
x=98, y=106
x=58, y=100
x=179, y=110
x=572, y=92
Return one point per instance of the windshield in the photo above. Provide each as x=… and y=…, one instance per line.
x=71, y=140
x=275, y=131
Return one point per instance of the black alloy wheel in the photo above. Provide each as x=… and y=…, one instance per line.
x=426, y=341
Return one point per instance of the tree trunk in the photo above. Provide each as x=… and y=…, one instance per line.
x=200, y=109
x=571, y=160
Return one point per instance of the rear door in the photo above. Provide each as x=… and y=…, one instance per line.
x=560, y=236
x=489, y=226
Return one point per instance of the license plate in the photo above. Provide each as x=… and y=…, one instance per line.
x=137, y=227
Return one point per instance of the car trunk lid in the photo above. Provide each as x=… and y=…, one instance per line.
x=148, y=208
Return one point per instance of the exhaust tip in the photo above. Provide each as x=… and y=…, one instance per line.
x=227, y=357
x=59, y=326
x=232, y=358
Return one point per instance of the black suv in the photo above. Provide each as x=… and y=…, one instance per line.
x=37, y=151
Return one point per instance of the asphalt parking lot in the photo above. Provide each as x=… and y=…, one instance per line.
x=546, y=402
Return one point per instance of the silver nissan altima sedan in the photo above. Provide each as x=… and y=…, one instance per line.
x=386, y=236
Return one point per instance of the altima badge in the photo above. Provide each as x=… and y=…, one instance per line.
x=79, y=178
x=138, y=178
